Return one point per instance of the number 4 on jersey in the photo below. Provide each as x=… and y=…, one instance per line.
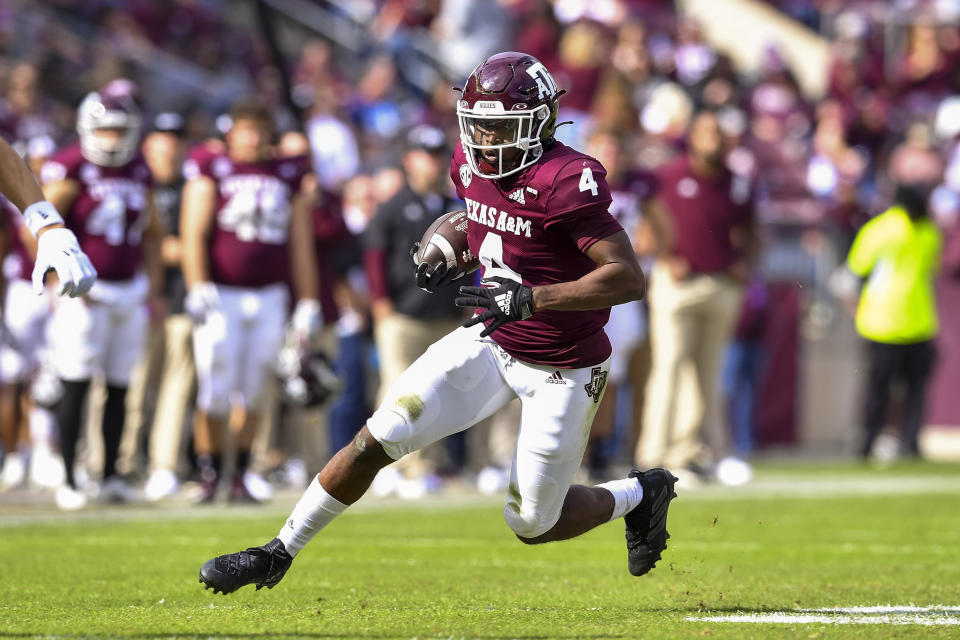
x=587, y=183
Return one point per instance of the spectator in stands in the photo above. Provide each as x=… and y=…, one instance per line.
x=695, y=290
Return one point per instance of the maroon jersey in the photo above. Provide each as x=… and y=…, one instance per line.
x=17, y=262
x=704, y=212
x=248, y=244
x=109, y=213
x=537, y=224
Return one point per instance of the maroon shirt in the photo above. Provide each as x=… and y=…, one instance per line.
x=17, y=262
x=704, y=211
x=248, y=244
x=538, y=223
x=109, y=213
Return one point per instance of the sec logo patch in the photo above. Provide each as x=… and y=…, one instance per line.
x=466, y=175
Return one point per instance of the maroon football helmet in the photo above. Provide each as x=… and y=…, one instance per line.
x=507, y=114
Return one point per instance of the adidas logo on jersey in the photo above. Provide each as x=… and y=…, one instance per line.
x=517, y=196
x=555, y=378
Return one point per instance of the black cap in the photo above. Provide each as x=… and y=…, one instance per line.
x=428, y=138
x=169, y=122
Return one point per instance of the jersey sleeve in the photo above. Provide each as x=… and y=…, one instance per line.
x=199, y=162
x=457, y=160
x=293, y=169
x=579, y=203
x=61, y=166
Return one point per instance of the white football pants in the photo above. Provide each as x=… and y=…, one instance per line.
x=462, y=379
x=101, y=332
x=236, y=348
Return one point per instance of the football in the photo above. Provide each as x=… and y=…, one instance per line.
x=446, y=241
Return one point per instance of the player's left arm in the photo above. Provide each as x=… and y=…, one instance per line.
x=303, y=267
x=617, y=279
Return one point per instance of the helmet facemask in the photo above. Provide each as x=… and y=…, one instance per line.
x=487, y=130
x=93, y=115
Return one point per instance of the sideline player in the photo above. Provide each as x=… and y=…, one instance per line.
x=103, y=185
x=245, y=226
x=554, y=262
x=57, y=247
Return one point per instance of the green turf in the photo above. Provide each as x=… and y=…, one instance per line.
x=445, y=571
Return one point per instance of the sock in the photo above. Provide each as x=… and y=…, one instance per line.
x=43, y=428
x=114, y=413
x=315, y=510
x=627, y=494
x=209, y=466
x=70, y=416
x=243, y=461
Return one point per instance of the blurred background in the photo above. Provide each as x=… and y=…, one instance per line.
x=824, y=108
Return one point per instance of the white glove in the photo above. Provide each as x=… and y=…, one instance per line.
x=58, y=249
x=306, y=320
x=201, y=300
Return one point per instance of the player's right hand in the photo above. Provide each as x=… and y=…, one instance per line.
x=201, y=300
x=58, y=250
x=431, y=279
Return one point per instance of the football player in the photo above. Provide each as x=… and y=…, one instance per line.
x=102, y=185
x=245, y=226
x=554, y=261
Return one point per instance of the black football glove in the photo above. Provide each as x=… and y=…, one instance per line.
x=427, y=280
x=505, y=300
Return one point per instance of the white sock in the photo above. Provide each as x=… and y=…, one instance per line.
x=627, y=494
x=315, y=510
x=43, y=427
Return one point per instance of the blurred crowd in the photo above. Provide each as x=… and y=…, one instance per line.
x=376, y=114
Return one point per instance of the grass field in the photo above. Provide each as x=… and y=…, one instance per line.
x=799, y=538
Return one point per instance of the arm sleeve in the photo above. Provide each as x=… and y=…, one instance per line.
x=863, y=253
x=579, y=204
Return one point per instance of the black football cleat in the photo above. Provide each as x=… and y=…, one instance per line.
x=647, y=523
x=263, y=566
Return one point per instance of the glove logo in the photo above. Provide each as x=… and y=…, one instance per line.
x=598, y=380
x=503, y=301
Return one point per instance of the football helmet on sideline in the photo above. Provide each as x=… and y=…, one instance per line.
x=306, y=378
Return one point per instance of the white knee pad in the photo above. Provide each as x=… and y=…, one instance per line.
x=528, y=524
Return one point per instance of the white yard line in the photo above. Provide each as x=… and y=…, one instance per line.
x=937, y=615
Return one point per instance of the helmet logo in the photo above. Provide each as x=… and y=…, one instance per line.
x=546, y=86
x=488, y=106
x=466, y=175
